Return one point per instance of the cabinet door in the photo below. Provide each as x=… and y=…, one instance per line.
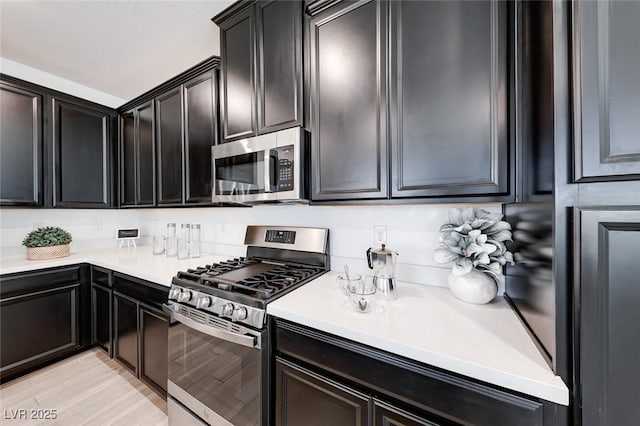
x=20, y=146
x=387, y=415
x=101, y=317
x=606, y=90
x=154, y=329
x=81, y=147
x=347, y=101
x=128, y=159
x=279, y=45
x=169, y=142
x=145, y=164
x=608, y=296
x=237, y=48
x=125, y=322
x=306, y=398
x=449, y=98
x=37, y=327
x=200, y=131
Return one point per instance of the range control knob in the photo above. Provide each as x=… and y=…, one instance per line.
x=226, y=310
x=239, y=314
x=173, y=293
x=185, y=296
x=203, y=302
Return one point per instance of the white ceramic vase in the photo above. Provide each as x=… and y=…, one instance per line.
x=474, y=287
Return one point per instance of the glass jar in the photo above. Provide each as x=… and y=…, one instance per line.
x=194, y=239
x=170, y=243
x=183, y=241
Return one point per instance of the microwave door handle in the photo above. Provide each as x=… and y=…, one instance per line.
x=267, y=170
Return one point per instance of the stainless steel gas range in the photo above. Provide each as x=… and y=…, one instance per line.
x=218, y=336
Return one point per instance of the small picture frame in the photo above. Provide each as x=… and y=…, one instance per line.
x=130, y=235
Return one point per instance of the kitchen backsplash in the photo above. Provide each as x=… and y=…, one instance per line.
x=89, y=228
x=412, y=230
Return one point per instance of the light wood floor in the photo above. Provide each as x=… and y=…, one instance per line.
x=87, y=389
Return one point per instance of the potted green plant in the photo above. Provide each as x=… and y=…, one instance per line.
x=48, y=242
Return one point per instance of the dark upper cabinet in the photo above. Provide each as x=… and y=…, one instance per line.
x=279, y=54
x=606, y=83
x=137, y=155
x=448, y=99
x=200, y=130
x=607, y=297
x=261, y=83
x=128, y=159
x=347, y=101
x=169, y=142
x=306, y=398
x=20, y=146
x=145, y=155
x=82, y=154
x=237, y=49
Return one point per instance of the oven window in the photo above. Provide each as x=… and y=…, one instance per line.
x=223, y=376
x=240, y=174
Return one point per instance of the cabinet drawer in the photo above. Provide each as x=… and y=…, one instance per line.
x=23, y=283
x=101, y=277
x=148, y=293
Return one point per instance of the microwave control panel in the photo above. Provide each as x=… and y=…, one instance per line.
x=285, y=168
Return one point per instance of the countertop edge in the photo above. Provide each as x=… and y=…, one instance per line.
x=558, y=394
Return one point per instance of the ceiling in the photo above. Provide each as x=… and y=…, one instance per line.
x=119, y=47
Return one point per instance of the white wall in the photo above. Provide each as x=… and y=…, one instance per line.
x=51, y=81
x=89, y=228
x=412, y=230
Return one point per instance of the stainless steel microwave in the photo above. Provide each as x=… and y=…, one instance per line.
x=260, y=169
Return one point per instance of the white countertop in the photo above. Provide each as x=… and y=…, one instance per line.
x=425, y=323
x=428, y=324
x=138, y=262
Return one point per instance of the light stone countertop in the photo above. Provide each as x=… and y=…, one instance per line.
x=138, y=262
x=428, y=324
x=425, y=323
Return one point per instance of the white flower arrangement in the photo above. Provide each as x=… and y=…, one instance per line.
x=475, y=240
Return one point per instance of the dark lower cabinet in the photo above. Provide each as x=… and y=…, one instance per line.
x=42, y=318
x=306, y=398
x=607, y=298
x=101, y=309
x=606, y=85
x=154, y=328
x=82, y=154
x=387, y=415
x=101, y=317
x=141, y=329
x=125, y=320
x=20, y=146
x=344, y=381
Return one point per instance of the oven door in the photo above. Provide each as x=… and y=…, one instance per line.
x=215, y=373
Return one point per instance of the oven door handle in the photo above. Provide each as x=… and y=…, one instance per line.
x=241, y=339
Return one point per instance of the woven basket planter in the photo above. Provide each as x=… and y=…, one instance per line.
x=42, y=253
